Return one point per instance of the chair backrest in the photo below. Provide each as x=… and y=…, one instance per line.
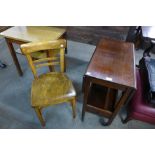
x=54, y=50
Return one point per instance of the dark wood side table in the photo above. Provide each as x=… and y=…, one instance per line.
x=25, y=34
x=111, y=68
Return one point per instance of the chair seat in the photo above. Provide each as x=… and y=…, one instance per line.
x=143, y=107
x=51, y=88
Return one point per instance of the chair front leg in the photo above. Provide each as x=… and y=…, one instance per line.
x=73, y=104
x=39, y=114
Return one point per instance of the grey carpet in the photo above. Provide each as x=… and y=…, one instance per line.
x=15, y=109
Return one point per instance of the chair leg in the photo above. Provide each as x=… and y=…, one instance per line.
x=38, y=112
x=73, y=104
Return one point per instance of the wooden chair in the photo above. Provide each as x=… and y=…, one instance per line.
x=53, y=87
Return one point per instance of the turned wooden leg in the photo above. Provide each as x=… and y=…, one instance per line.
x=73, y=104
x=38, y=112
